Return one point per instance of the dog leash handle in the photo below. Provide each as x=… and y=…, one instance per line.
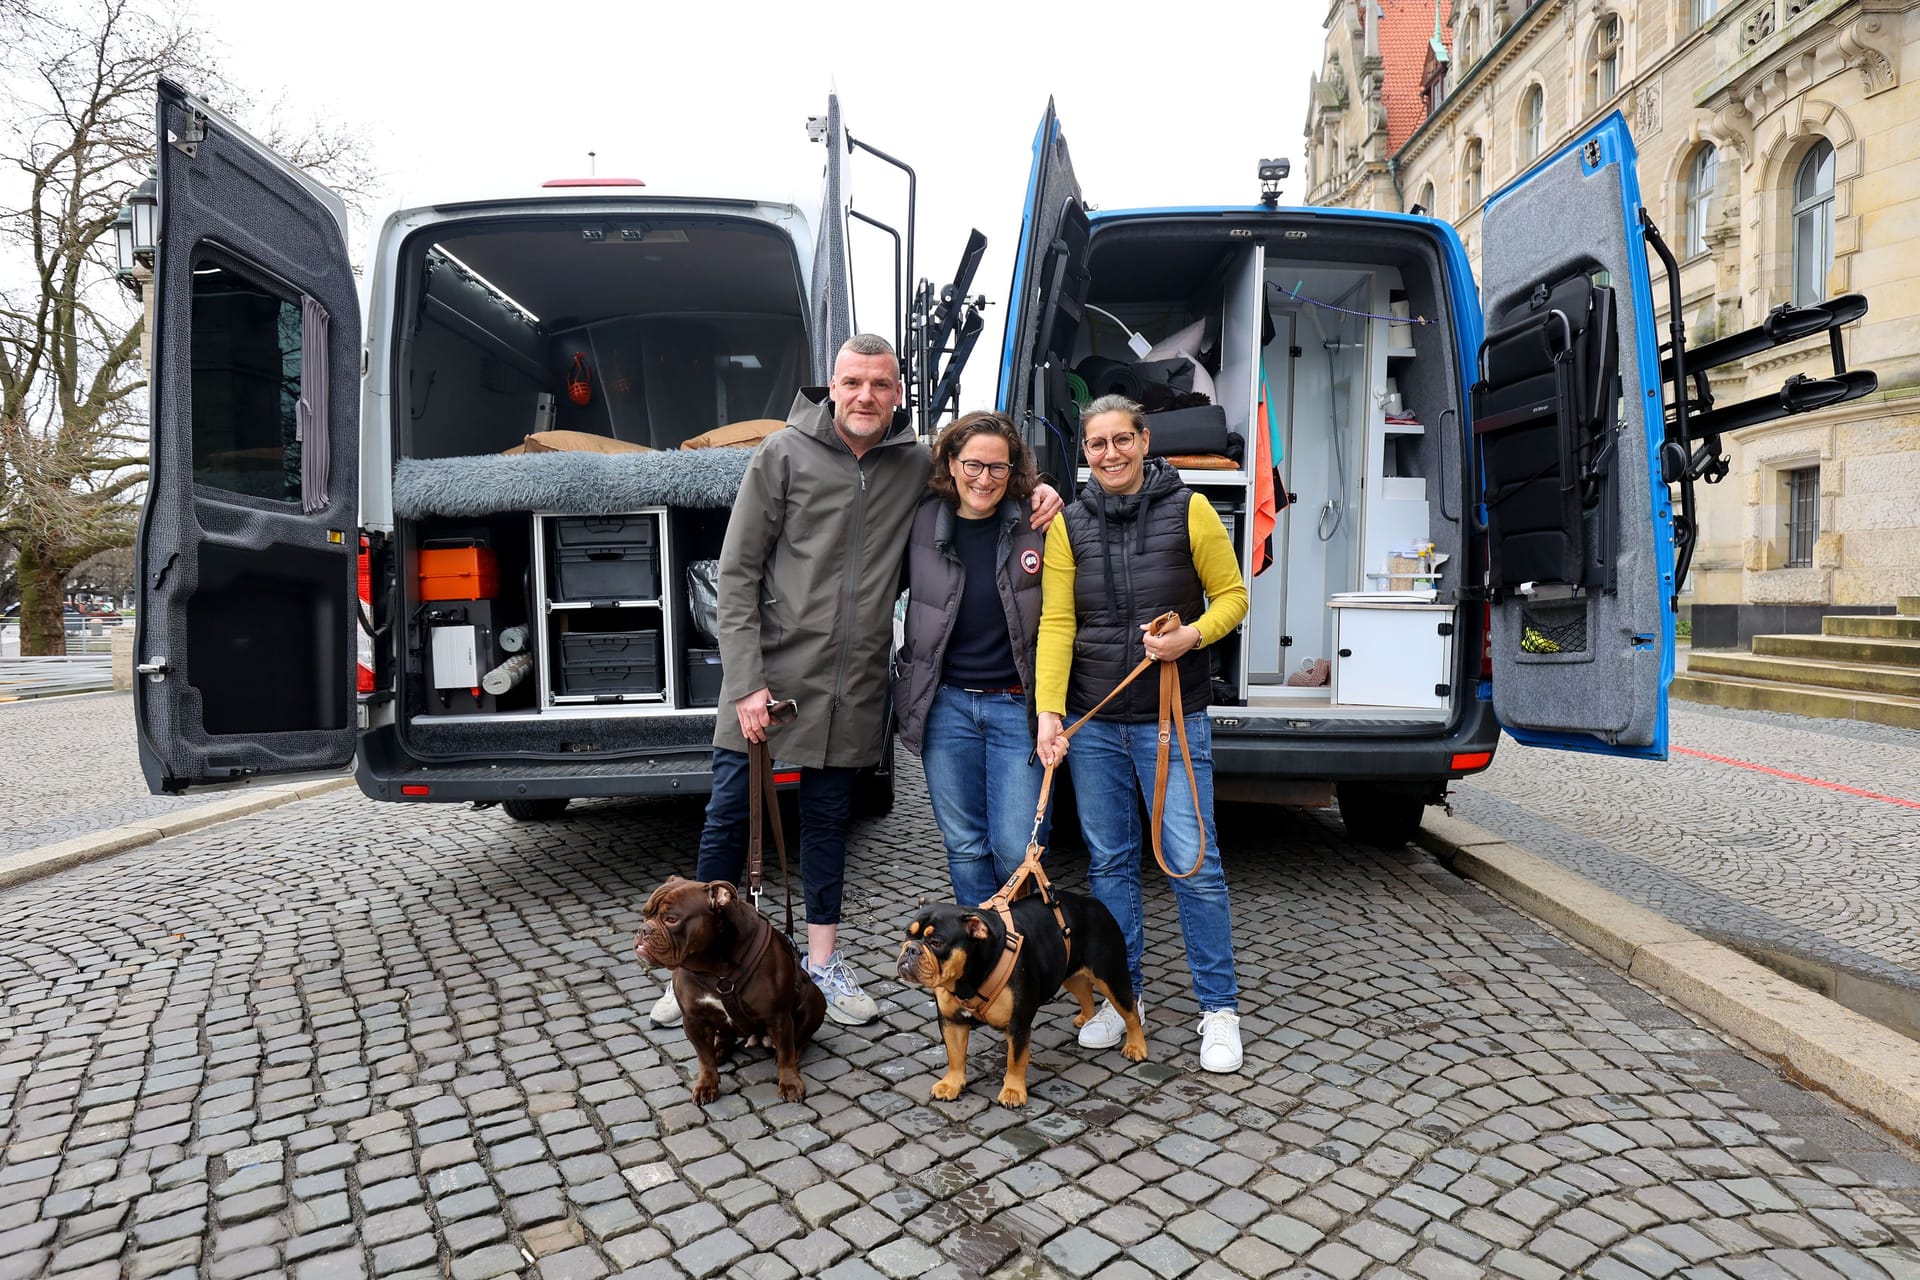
x=763, y=803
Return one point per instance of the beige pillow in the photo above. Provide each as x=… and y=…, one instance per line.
x=577, y=442
x=750, y=432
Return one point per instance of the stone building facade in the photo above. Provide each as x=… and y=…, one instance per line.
x=1779, y=146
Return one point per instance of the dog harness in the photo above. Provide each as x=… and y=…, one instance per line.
x=1028, y=877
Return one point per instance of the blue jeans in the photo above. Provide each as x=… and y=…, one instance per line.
x=1109, y=760
x=826, y=796
x=984, y=783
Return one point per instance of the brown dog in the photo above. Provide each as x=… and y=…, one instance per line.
x=735, y=977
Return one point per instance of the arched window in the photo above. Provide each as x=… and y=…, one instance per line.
x=1703, y=10
x=1533, y=124
x=1813, y=224
x=1703, y=175
x=1603, y=81
x=1425, y=203
x=1471, y=188
x=1469, y=43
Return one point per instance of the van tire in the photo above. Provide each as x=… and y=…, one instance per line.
x=1377, y=816
x=545, y=809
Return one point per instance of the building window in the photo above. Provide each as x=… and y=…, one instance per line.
x=1437, y=91
x=1702, y=176
x=1470, y=186
x=1813, y=224
x=1533, y=124
x=1469, y=44
x=1604, y=79
x=1425, y=204
x=1803, y=516
x=1703, y=11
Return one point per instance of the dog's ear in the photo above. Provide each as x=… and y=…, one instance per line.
x=721, y=894
x=976, y=927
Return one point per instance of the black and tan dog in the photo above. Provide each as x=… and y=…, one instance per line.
x=735, y=977
x=954, y=949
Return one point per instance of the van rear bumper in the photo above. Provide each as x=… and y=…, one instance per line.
x=1251, y=752
x=385, y=771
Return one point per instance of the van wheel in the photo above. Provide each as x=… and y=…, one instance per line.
x=545, y=809
x=1377, y=816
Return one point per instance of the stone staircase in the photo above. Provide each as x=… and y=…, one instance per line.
x=1860, y=667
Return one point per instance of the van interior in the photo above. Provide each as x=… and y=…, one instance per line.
x=1342, y=344
x=532, y=631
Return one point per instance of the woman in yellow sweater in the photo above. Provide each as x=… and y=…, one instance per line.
x=1137, y=544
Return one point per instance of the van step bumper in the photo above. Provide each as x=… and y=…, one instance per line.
x=1278, y=755
x=384, y=771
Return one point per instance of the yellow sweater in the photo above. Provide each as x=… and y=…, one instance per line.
x=1213, y=559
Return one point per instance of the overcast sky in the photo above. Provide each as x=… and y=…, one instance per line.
x=1161, y=103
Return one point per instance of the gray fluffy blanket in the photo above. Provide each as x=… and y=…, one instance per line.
x=573, y=483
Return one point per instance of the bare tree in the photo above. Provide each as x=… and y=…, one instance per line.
x=79, y=131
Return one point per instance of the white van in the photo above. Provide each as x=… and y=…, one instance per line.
x=1481, y=534
x=528, y=628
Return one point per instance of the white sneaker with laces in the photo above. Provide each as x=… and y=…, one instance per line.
x=847, y=1004
x=1220, y=1041
x=1106, y=1029
x=666, y=1010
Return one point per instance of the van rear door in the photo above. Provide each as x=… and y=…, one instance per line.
x=830, y=293
x=247, y=543
x=1050, y=281
x=1568, y=422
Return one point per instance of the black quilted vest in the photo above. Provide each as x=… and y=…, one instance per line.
x=1133, y=561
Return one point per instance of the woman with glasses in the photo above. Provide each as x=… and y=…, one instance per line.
x=964, y=676
x=1137, y=544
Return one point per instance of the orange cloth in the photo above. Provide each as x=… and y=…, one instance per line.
x=1266, y=512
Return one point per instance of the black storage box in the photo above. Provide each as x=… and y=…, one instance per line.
x=1202, y=429
x=607, y=571
x=597, y=531
x=611, y=662
x=703, y=677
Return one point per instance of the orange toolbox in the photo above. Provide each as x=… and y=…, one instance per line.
x=459, y=573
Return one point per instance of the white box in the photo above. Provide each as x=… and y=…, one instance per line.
x=1391, y=649
x=456, y=658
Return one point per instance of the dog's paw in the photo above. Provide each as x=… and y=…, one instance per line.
x=947, y=1088
x=1013, y=1095
x=706, y=1089
x=1134, y=1052
x=792, y=1087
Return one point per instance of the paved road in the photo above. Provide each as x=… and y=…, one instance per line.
x=1814, y=853
x=70, y=768
x=338, y=1039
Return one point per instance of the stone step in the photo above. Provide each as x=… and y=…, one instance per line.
x=1860, y=677
x=1907, y=606
x=1883, y=626
x=1892, y=653
x=1800, y=700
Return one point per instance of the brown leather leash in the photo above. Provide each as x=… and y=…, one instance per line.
x=1028, y=877
x=763, y=801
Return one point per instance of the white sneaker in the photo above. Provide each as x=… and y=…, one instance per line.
x=666, y=1010
x=847, y=1004
x=1220, y=1041
x=1107, y=1028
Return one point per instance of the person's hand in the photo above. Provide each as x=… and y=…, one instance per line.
x=1051, y=743
x=1173, y=645
x=752, y=711
x=1046, y=505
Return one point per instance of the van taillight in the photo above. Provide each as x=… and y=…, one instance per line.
x=1486, y=641
x=415, y=789
x=1468, y=761
x=786, y=779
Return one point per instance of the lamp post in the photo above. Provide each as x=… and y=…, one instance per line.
x=135, y=235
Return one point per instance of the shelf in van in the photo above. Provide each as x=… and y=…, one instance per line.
x=1401, y=353
x=557, y=605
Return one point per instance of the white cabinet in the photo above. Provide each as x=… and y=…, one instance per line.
x=1391, y=649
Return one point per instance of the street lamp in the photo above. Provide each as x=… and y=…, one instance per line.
x=123, y=249
x=144, y=204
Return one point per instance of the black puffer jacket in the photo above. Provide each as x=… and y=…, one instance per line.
x=1132, y=561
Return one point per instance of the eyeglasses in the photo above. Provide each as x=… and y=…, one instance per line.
x=1123, y=441
x=976, y=468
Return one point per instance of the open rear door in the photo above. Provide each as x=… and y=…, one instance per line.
x=247, y=545
x=1568, y=423
x=830, y=298
x=1044, y=303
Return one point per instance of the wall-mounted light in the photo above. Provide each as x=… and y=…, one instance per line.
x=123, y=248
x=144, y=204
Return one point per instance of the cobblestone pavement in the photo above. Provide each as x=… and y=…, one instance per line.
x=71, y=768
x=1744, y=856
x=340, y=1039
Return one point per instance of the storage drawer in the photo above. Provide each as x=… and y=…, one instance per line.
x=593, y=531
x=607, y=571
x=614, y=662
x=703, y=677
x=1391, y=652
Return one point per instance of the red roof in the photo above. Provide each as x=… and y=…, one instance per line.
x=1406, y=29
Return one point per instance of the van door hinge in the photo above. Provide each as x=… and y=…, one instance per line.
x=191, y=133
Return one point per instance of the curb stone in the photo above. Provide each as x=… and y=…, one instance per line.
x=32, y=864
x=1867, y=1066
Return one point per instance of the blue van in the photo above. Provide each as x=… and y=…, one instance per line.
x=1478, y=484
